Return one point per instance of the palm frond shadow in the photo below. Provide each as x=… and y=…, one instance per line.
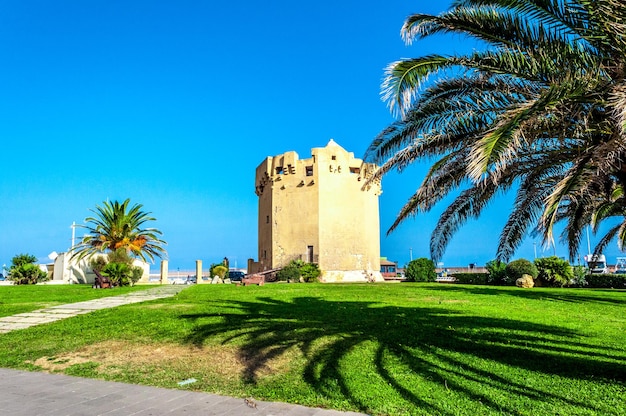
x=565, y=296
x=426, y=342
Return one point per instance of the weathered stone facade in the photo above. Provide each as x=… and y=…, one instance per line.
x=316, y=210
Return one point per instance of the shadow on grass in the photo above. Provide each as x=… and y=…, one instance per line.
x=539, y=293
x=412, y=346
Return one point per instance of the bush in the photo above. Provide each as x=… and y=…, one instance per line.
x=497, y=272
x=472, y=278
x=297, y=269
x=120, y=256
x=120, y=274
x=579, y=276
x=616, y=281
x=517, y=268
x=97, y=263
x=310, y=272
x=24, y=271
x=421, y=270
x=289, y=273
x=136, y=274
x=554, y=271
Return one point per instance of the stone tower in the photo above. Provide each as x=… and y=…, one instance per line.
x=316, y=210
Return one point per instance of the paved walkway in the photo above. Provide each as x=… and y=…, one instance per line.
x=24, y=393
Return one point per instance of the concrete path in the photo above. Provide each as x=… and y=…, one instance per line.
x=24, y=393
x=55, y=313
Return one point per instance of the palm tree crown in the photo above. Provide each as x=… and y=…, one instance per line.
x=118, y=226
x=540, y=111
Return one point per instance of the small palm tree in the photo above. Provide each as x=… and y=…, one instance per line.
x=119, y=226
x=540, y=111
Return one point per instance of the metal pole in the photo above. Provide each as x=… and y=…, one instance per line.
x=73, y=227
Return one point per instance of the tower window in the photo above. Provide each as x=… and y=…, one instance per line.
x=279, y=170
x=309, y=171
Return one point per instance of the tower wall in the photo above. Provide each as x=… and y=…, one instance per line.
x=316, y=210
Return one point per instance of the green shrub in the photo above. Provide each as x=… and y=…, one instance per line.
x=472, y=278
x=24, y=271
x=517, y=268
x=120, y=274
x=421, y=270
x=554, y=271
x=616, y=281
x=297, y=269
x=120, y=256
x=497, y=272
x=289, y=273
x=136, y=274
x=97, y=263
x=580, y=273
x=310, y=272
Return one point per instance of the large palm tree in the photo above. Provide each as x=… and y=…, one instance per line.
x=119, y=226
x=540, y=111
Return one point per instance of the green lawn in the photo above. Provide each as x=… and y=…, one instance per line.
x=27, y=298
x=383, y=349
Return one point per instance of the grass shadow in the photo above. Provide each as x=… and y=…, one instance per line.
x=428, y=343
x=539, y=293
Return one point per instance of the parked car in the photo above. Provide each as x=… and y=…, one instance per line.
x=235, y=275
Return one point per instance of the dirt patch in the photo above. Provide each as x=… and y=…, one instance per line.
x=222, y=361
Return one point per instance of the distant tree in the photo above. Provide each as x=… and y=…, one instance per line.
x=24, y=271
x=421, y=270
x=120, y=226
x=219, y=270
x=554, y=271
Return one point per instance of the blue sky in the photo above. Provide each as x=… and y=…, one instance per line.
x=174, y=104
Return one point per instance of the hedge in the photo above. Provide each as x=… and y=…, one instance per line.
x=471, y=278
x=617, y=281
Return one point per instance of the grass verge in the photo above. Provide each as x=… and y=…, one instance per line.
x=403, y=349
x=27, y=298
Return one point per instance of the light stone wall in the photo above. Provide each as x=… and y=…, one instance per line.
x=68, y=270
x=319, y=202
